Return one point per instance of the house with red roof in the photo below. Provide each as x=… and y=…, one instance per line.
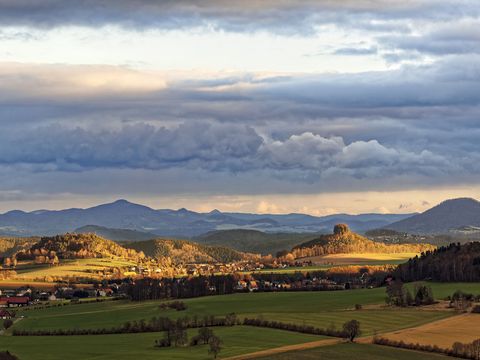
x=14, y=301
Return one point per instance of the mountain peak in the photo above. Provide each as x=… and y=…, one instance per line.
x=122, y=202
x=441, y=219
x=460, y=201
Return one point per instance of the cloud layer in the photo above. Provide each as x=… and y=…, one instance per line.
x=208, y=146
x=236, y=16
x=418, y=122
x=70, y=128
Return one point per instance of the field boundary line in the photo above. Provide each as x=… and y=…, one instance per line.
x=286, y=348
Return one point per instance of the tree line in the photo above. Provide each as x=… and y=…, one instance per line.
x=176, y=335
x=176, y=328
x=350, y=329
x=155, y=324
x=203, y=285
x=452, y=263
x=399, y=295
x=178, y=288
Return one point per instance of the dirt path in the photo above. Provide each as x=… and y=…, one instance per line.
x=282, y=349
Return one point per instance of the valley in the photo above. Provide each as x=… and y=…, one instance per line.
x=98, y=298
x=322, y=309
x=242, y=179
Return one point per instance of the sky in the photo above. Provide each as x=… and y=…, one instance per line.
x=267, y=106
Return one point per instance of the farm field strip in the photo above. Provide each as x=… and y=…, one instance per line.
x=464, y=328
x=361, y=259
x=372, y=321
x=355, y=351
x=286, y=348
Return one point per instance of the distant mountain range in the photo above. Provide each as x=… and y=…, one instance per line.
x=181, y=223
x=449, y=217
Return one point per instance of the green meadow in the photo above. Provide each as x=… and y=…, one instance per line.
x=321, y=309
x=236, y=340
x=313, y=308
x=442, y=290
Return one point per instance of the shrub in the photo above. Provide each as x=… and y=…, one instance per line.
x=7, y=323
x=215, y=346
x=351, y=329
x=177, y=305
x=476, y=309
x=6, y=355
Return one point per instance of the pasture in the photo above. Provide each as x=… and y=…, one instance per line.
x=442, y=290
x=320, y=309
x=361, y=259
x=236, y=340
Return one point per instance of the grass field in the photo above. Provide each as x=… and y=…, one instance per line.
x=236, y=340
x=77, y=268
x=361, y=259
x=442, y=290
x=464, y=328
x=357, y=352
x=314, y=308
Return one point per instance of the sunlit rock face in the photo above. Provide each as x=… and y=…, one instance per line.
x=341, y=229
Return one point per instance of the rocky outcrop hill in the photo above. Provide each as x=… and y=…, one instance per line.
x=344, y=241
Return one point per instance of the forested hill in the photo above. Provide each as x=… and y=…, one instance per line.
x=77, y=246
x=344, y=241
x=254, y=241
x=182, y=251
x=12, y=245
x=454, y=262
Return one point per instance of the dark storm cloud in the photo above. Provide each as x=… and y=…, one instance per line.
x=214, y=147
x=133, y=146
x=283, y=16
